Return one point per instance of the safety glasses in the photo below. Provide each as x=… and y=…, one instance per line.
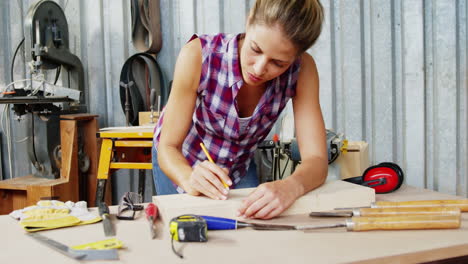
x=128, y=205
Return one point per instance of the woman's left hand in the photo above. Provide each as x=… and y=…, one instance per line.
x=270, y=199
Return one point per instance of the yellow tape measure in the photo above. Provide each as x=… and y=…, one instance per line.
x=188, y=228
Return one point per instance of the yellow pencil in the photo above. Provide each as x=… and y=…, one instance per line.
x=211, y=160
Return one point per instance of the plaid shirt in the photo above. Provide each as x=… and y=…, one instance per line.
x=215, y=121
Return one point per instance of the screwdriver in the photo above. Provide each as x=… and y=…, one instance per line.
x=151, y=214
x=220, y=223
x=351, y=224
x=391, y=211
x=462, y=204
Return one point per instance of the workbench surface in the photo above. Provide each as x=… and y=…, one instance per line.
x=252, y=246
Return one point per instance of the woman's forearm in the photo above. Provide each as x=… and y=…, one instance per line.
x=310, y=174
x=175, y=166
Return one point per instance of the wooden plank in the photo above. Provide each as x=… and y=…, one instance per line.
x=327, y=197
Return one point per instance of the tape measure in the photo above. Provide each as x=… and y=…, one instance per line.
x=187, y=228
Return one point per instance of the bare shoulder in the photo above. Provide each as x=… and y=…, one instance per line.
x=191, y=51
x=308, y=63
x=308, y=74
x=188, y=66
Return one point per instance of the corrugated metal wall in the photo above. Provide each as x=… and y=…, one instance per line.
x=392, y=73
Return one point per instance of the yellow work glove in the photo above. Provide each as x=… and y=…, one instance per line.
x=45, y=215
x=80, y=210
x=53, y=214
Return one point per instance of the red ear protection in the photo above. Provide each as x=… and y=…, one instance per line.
x=384, y=178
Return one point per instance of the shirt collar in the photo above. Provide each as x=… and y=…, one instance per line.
x=234, y=72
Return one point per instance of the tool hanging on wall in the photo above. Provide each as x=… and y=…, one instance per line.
x=140, y=77
x=146, y=25
x=384, y=178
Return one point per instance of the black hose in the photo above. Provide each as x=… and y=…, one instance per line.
x=13, y=60
x=57, y=74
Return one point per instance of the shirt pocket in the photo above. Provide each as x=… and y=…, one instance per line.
x=209, y=119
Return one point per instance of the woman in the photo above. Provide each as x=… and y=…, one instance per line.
x=227, y=93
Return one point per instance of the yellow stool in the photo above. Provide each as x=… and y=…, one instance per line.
x=119, y=146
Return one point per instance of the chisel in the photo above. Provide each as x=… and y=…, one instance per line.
x=462, y=204
x=106, y=222
x=392, y=223
x=220, y=223
x=391, y=211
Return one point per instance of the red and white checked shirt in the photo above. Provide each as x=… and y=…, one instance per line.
x=215, y=121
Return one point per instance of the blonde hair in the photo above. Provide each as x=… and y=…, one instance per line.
x=301, y=20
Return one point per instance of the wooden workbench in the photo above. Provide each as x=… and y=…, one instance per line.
x=251, y=246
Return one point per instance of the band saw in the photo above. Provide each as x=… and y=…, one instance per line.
x=40, y=102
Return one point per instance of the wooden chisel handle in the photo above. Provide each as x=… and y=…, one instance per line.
x=403, y=222
x=462, y=204
x=397, y=211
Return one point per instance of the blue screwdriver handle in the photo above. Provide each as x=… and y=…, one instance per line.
x=219, y=223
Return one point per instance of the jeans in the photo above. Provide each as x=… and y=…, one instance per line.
x=165, y=186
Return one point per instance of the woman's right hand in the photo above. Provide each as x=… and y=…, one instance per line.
x=207, y=178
